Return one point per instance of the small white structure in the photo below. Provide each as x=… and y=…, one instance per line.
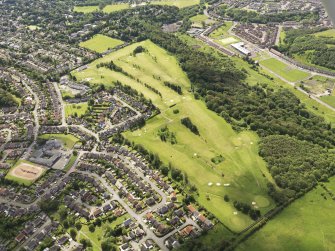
x=241, y=48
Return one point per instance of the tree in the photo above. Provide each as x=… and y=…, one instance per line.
x=73, y=233
x=91, y=228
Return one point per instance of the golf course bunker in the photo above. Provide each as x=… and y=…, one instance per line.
x=26, y=171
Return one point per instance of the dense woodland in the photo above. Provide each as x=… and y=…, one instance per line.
x=317, y=50
x=296, y=165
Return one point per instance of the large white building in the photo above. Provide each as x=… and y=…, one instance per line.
x=241, y=48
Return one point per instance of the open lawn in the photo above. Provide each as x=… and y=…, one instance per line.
x=100, y=43
x=25, y=172
x=70, y=163
x=79, y=109
x=304, y=225
x=177, y=3
x=116, y=7
x=67, y=139
x=222, y=36
x=222, y=31
x=198, y=20
x=327, y=33
x=85, y=9
x=330, y=100
x=242, y=168
x=284, y=70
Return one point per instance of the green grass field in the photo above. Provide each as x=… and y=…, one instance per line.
x=305, y=225
x=330, y=100
x=20, y=180
x=70, y=163
x=100, y=43
x=177, y=3
x=327, y=33
x=116, y=7
x=283, y=70
x=242, y=168
x=71, y=109
x=85, y=9
x=222, y=36
x=67, y=139
x=199, y=19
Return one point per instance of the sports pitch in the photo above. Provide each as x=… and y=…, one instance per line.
x=25, y=173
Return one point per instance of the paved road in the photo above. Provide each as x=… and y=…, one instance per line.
x=36, y=119
x=60, y=100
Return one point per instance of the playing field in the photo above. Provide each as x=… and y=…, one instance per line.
x=177, y=3
x=284, y=70
x=100, y=43
x=85, y=9
x=242, y=168
x=305, y=225
x=116, y=7
x=25, y=172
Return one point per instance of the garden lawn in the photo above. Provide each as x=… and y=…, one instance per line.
x=177, y=3
x=79, y=109
x=85, y=9
x=304, y=225
x=67, y=139
x=242, y=168
x=101, y=43
x=284, y=70
x=116, y=7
